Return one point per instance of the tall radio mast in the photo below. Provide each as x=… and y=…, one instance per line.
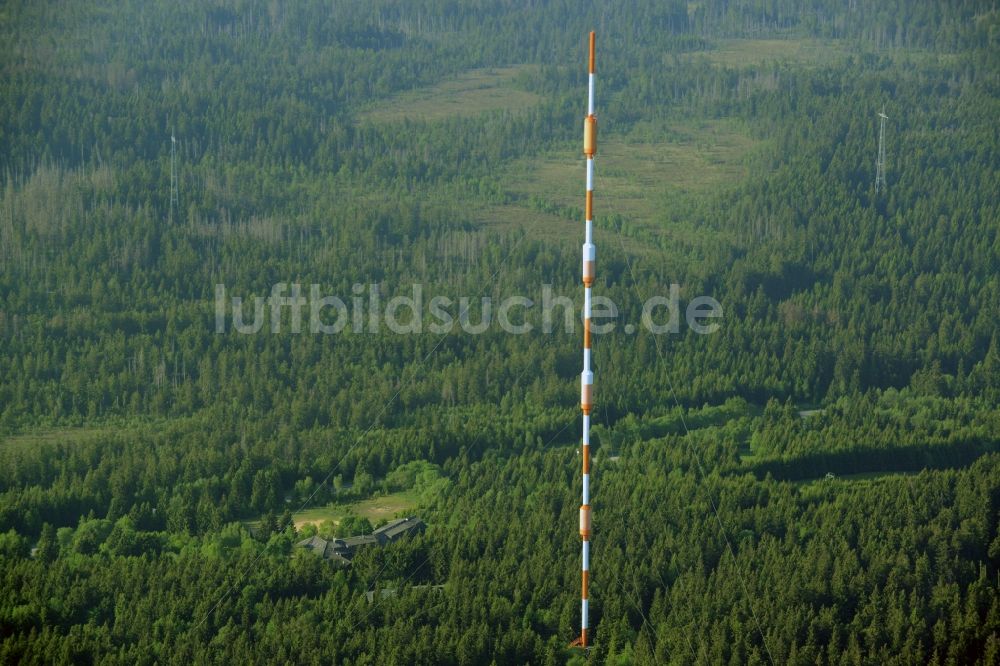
x=587, y=376
x=174, y=192
x=880, y=161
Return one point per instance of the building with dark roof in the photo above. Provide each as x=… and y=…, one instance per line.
x=342, y=550
x=397, y=529
x=390, y=592
x=333, y=549
x=355, y=542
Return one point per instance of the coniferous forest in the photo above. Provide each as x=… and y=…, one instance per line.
x=815, y=482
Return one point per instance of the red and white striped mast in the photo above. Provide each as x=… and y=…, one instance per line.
x=587, y=376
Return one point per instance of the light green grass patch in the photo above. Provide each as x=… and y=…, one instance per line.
x=46, y=436
x=374, y=509
x=749, y=53
x=755, y=52
x=638, y=176
x=468, y=94
x=845, y=480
